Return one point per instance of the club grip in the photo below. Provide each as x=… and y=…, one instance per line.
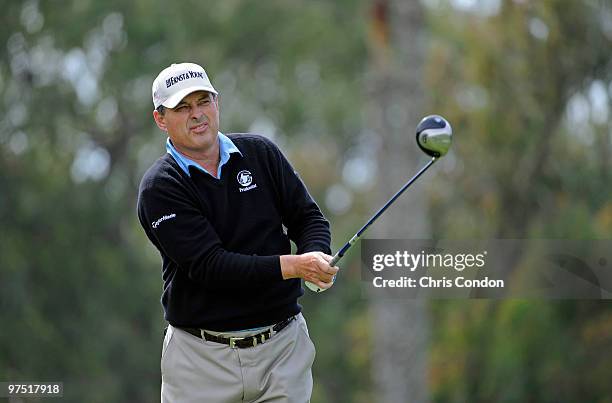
x=332, y=263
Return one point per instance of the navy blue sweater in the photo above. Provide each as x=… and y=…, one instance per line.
x=220, y=239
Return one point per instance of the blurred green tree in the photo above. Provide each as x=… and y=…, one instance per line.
x=80, y=285
x=396, y=103
x=527, y=86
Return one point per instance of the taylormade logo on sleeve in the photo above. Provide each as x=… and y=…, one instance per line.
x=156, y=223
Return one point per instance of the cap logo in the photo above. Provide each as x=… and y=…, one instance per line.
x=190, y=74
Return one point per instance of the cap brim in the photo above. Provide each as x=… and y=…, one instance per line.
x=176, y=98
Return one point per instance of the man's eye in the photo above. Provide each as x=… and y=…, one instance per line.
x=181, y=108
x=205, y=102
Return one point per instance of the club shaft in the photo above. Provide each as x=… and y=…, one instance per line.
x=356, y=237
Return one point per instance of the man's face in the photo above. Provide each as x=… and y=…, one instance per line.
x=192, y=125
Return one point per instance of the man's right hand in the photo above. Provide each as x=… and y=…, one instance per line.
x=311, y=266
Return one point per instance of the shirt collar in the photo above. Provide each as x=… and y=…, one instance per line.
x=226, y=147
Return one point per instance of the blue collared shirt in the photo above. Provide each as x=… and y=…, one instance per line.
x=226, y=147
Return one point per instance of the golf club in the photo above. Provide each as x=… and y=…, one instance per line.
x=434, y=136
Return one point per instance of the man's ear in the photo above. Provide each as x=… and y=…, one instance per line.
x=160, y=120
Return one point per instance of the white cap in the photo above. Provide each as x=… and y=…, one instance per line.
x=177, y=81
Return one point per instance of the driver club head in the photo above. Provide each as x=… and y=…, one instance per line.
x=434, y=135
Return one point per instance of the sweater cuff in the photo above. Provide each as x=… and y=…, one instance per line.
x=316, y=248
x=273, y=268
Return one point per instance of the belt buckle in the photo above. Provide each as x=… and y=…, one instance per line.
x=233, y=340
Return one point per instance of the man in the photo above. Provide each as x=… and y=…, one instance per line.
x=216, y=207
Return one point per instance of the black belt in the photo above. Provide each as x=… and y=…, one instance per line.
x=240, y=342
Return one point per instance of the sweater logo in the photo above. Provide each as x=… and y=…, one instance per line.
x=245, y=179
x=156, y=223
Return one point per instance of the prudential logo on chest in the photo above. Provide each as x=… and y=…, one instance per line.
x=245, y=180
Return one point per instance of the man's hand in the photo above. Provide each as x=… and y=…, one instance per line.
x=311, y=266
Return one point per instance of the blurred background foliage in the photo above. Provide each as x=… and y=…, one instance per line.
x=526, y=84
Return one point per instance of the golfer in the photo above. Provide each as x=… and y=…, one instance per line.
x=222, y=210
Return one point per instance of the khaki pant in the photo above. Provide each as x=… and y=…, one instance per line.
x=195, y=370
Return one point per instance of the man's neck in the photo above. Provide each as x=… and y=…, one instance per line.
x=209, y=159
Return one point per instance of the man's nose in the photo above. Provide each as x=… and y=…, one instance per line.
x=197, y=112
